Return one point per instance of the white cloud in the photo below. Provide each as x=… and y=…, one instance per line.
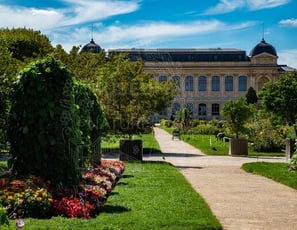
x=264, y=4
x=288, y=57
x=146, y=34
x=289, y=22
x=78, y=12
x=226, y=6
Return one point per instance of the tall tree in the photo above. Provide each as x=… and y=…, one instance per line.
x=129, y=96
x=251, y=96
x=280, y=98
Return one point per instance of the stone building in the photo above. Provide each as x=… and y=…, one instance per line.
x=208, y=78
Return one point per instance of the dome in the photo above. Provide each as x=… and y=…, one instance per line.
x=263, y=47
x=91, y=47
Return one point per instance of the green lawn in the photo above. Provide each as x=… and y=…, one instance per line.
x=209, y=145
x=149, y=196
x=275, y=171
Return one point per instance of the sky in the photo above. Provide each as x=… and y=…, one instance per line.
x=239, y=24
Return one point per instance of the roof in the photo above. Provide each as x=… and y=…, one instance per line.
x=91, y=47
x=185, y=55
x=263, y=47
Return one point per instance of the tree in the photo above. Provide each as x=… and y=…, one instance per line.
x=280, y=98
x=236, y=113
x=129, y=96
x=251, y=96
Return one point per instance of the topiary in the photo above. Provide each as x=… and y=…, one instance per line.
x=45, y=127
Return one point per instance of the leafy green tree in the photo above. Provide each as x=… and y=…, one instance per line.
x=84, y=65
x=129, y=96
x=280, y=98
x=48, y=124
x=236, y=113
x=26, y=43
x=251, y=96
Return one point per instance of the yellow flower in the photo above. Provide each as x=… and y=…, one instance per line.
x=44, y=194
x=39, y=199
x=10, y=197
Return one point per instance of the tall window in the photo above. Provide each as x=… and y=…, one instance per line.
x=202, y=109
x=189, y=83
x=162, y=79
x=229, y=83
x=176, y=80
x=175, y=108
x=215, y=109
x=242, y=83
x=202, y=85
x=215, y=83
x=190, y=107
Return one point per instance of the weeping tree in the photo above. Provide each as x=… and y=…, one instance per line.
x=52, y=123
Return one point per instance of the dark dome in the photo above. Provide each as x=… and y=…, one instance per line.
x=263, y=47
x=91, y=47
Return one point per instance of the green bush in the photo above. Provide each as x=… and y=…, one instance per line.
x=47, y=125
x=166, y=123
x=265, y=136
x=205, y=129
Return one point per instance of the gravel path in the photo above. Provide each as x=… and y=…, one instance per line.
x=238, y=199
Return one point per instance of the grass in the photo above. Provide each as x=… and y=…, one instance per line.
x=149, y=143
x=276, y=171
x=209, y=145
x=149, y=196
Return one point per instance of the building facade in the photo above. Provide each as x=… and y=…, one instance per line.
x=208, y=78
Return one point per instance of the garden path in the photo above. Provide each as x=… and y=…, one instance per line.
x=238, y=199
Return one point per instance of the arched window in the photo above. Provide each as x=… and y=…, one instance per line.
x=228, y=83
x=215, y=83
x=242, y=83
x=202, y=83
x=176, y=80
x=189, y=83
x=202, y=109
x=175, y=108
x=215, y=109
x=262, y=81
x=190, y=107
x=162, y=79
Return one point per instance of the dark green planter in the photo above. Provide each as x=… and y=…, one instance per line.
x=131, y=150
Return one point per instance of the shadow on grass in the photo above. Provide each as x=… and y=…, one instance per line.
x=189, y=167
x=127, y=176
x=122, y=183
x=114, y=209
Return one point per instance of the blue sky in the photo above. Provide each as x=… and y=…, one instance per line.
x=160, y=23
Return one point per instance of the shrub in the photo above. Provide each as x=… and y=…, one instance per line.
x=53, y=121
x=166, y=123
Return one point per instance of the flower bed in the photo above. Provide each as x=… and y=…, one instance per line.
x=34, y=197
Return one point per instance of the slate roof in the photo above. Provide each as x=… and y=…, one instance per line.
x=91, y=47
x=185, y=55
x=263, y=47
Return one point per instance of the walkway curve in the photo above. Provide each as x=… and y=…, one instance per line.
x=238, y=199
